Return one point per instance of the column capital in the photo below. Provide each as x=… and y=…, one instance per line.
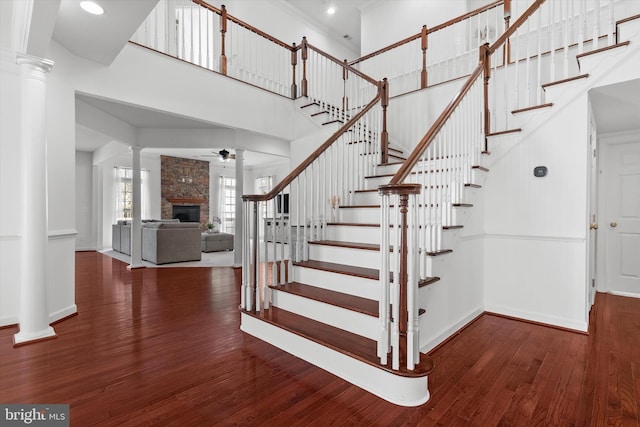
x=44, y=65
x=136, y=148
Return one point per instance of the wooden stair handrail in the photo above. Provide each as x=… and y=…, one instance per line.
x=429, y=31
x=426, y=140
x=244, y=24
x=485, y=51
x=313, y=156
x=345, y=65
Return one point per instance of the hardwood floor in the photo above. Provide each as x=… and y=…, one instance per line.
x=162, y=346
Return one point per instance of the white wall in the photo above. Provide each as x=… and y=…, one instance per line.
x=378, y=26
x=535, y=228
x=10, y=171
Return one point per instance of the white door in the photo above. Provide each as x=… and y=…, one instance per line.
x=621, y=224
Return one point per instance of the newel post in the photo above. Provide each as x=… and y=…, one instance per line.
x=485, y=59
x=304, y=54
x=384, y=135
x=407, y=293
x=424, y=44
x=223, y=30
x=506, y=56
x=252, y=291
x=294, y=62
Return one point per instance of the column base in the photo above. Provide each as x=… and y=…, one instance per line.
x=22, y=338
x=135, y=266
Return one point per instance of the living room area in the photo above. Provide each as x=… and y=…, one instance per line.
x=188, y=194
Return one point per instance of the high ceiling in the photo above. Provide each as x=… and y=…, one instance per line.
x=344, y=23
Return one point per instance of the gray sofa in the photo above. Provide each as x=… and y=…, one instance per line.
x=164, y=242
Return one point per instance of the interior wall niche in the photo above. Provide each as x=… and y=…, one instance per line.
x=184, y=182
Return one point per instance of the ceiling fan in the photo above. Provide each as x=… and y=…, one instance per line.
x=225, y=155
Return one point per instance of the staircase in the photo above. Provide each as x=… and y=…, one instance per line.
x=327, y=311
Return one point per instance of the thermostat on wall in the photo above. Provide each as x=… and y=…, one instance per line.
x=540, y=171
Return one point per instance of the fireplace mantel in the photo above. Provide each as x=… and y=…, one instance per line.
x=185, y=201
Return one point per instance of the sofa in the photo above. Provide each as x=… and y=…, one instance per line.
x=163, y=241
x=166, y=242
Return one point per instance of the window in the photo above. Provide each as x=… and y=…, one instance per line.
x=124, y=189
x=263, y=186
x=228, y=203
x=124, y=193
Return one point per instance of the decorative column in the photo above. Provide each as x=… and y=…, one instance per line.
x=237, y=237
x=136, y=223
x=33, y=314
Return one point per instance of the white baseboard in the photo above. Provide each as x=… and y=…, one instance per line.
x=61, y=314
x=450, y=331
x=539, y=318
x=625, y=294
x=9, y=320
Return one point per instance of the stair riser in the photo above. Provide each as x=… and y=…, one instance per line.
x=359, y=286
x=338, y=255
x=344, y=233
x=373, y=198
x=348, y=320
x=386, y=169
x=474, y=176
x=359, y=215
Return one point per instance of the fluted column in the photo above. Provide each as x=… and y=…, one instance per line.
x=237, y=236
x=33, y=314
x=136, y=196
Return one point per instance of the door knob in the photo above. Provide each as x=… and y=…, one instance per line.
x=614, y=224
x=593, y=226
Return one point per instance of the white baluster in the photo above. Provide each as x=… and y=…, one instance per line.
x=395, y=289
x=413, y=342
x=384, y=303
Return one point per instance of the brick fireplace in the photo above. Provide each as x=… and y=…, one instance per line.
x=184, y=183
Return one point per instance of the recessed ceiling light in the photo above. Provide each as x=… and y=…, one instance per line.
x=92, y=7
x=331, y=10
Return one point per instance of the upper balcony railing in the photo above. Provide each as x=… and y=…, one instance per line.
x=196, y=32
x=438, y=54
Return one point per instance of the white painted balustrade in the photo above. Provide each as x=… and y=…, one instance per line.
x=544, y=50
x=281, y=224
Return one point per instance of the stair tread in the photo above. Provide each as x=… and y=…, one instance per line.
x=353, y=224
x=456, y=205
x=364, y=272
x=338, y=299
x=349, y=270
x=385, y=175
x=358, y=347
x=570, y=79
x=352, y=245
x=375, y=190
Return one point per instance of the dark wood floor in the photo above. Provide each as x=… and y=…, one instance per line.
x=163, y=346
